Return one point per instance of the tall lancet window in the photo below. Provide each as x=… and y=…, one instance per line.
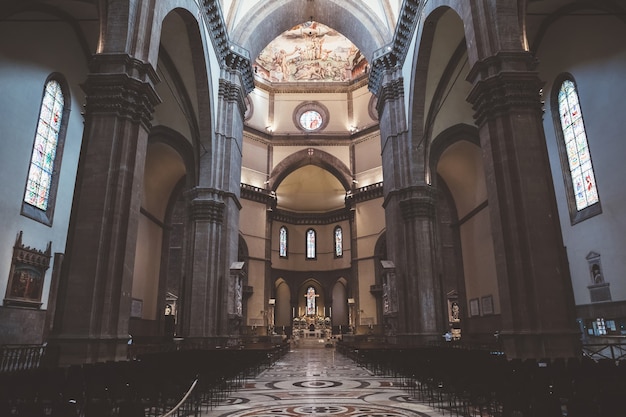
x=338, y=242
x=41, y=184
x=580, y=181
x=310, y=244
x=282, y=242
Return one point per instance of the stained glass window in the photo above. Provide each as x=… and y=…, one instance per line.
x=45, y=148
x=310, y=301
x=282, y=242
x=310, y=244
x=576, y=147
x=311, y=120
x=338, y=242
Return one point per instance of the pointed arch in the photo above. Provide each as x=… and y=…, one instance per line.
x=305, y=157
x=267, y=20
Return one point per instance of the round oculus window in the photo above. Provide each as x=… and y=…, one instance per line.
x=311, y=120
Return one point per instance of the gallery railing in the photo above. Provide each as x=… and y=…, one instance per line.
x=598, y=351
x=21, y=357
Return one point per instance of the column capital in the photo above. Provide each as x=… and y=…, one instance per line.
x=122, y=85
x=390, y=91
x=416, y=202
x=234, y=92
x=206, y=204
x=502, y=82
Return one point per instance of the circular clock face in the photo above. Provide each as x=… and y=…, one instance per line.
x=311, y=120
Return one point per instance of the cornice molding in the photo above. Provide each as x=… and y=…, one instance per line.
x=229, y=54
x=331, y=217
x=394, y=53
x=311, y=87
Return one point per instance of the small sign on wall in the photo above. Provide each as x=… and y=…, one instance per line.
x=136, y=305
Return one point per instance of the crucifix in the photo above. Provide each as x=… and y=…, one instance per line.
x=310, y=301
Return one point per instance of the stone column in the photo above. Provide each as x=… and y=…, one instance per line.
x=214, y=216
x=410, y=218
x=536, y=296
x=91, y=323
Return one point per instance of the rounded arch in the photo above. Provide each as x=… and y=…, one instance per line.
x=172, y=138
x=431, y=84
x=302, y=292
x=339, y=305
x=73, y=22
x=196, y=98
x=283, y=308
x=305, y=157
x=567, y=10
x=447, y=138
x=354, y=20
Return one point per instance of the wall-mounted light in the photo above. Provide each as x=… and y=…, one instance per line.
x=269, y=129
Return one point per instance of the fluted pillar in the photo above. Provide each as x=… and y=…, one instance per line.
x=95, y=290
x=209, y=310
x=410, y=219
x=535, y=289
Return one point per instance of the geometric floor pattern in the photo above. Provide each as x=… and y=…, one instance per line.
x=312, y=380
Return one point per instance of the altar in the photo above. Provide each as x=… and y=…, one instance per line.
x=314, y=326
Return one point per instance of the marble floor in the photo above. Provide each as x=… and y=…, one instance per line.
x=312, y=380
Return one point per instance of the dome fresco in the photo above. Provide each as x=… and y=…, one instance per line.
x=310, y=51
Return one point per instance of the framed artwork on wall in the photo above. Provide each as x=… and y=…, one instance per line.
x=487, y=303
x=26, y=278
x=474, y=307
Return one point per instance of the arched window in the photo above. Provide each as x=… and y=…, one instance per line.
x=42, y=181
x=310, y=244
x=310, y=295
x=338, y=236
x=282, y=242
x=580, y=182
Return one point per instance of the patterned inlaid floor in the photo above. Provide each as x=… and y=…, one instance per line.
x=312, y=380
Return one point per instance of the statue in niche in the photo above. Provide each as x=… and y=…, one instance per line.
x=238, y=297
x=596, y=274
x=456, y=310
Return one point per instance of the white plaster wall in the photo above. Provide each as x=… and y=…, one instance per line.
x=325, y=261
x=28, y=55
x=252, y=222
x=595, y=55
x=370, y=223
x=147, y=266
x=361, y=118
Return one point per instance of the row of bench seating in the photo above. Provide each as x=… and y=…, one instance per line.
x=148, y=386
x=481, y=383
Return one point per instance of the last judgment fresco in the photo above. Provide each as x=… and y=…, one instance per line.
x=310, y=51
